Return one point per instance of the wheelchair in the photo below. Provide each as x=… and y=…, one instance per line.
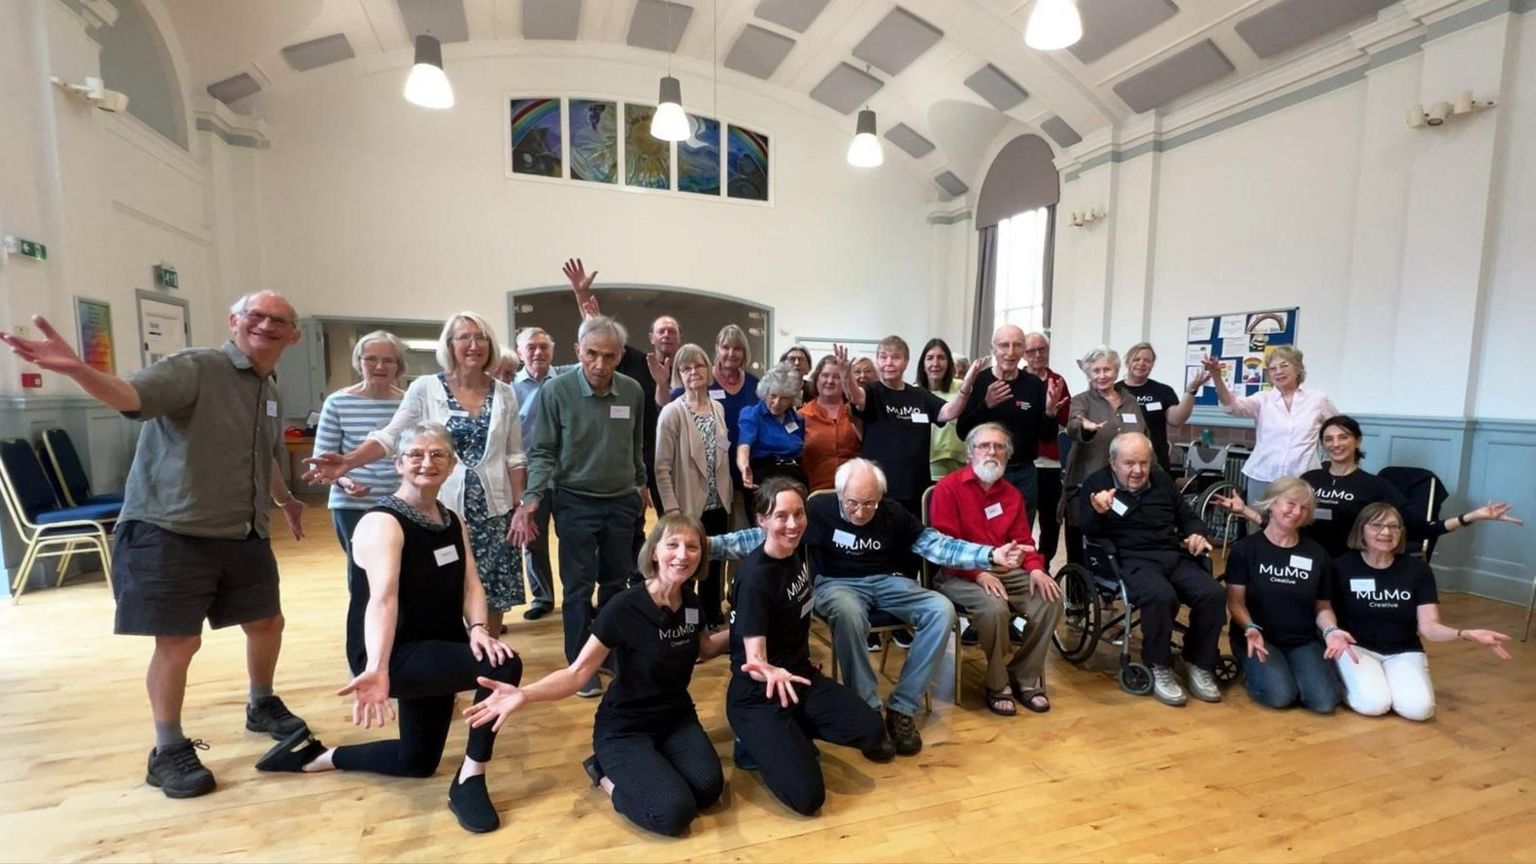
x=1209, y=472
x=1097, y=608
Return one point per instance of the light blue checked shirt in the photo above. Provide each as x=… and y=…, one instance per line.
x=941, y=549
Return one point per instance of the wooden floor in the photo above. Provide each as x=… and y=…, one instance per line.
x=1103, y=777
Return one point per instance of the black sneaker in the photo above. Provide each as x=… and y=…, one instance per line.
x=970, y=636
x=268, y=714
x=872, y=642
x=903, y=731
x=292, y=753
x=594, y=771
x=903, y=638
x=176, y=770
x=742, y=757
x=471, y=805
x=537, y=611
x=883, y=751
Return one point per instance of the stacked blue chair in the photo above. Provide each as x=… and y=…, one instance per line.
x=68, y=474
x=47, y=528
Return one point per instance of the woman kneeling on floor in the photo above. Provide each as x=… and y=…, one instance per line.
x=651, y=755
x=416, y=632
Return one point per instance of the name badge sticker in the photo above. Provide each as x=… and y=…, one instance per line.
x=1152, y=406
x=806, y=609
x=690, y=616
x=1362, y=586
x=791, y=427
x=994, y=510
x=446, y=555
x=1322, y=514
x=1128, y=417
x=459, y=412
x=1118, y=506
x=271, y=407
x=841, y=537
x=1301, y=562
x=716, y=393
x=618, y=412
x=919, y=417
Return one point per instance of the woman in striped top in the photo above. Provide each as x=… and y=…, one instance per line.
x=346, y=419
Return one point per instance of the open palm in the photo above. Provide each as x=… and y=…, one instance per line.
x=52, y=352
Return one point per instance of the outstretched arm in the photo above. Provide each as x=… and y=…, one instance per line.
x=735, y=545
x=52, y=352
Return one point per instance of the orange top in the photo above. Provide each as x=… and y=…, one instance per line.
x=830, y=440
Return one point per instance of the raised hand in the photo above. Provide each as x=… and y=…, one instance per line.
x=1200, y=380
x=496, y=706
x=1256, y=647
x=1212, y=365
x=660, y=368
x=1103, y=501
x=997, y=393
x=1338, y=643
x=1041, y=583
x=371, y=703
x=576, y=273
x=779, y=682
x=977, y=366
x=1197, y=544
x=52, y=352
x=1055, y=391
x=1233, y=502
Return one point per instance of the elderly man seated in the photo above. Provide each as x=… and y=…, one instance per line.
x=860, y=543
x=1157, y=538
x=977, y=504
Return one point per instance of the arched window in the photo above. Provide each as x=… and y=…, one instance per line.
x=135, y=61
x=1016, y=215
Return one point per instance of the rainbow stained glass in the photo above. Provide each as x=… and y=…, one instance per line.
x=536, y=137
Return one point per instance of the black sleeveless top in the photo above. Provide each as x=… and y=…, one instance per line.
x=430, y=589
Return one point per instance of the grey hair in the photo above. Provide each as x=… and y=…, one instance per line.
x=1041, y=336
x=781, y=380
x=1103, y=352
x=846, y=470
x=1116, y=445
x=599, y=325
x=970, y=438
x=688, y=355
x=417, y=430
x=238, y=307
x=525, y=335
x=380, y=336
x=445, y=342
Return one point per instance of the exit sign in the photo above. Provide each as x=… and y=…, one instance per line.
x=165, y=276
x=26, y=248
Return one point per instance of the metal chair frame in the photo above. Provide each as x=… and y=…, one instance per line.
x=78, y=536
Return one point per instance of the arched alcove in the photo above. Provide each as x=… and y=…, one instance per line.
x=135, y=61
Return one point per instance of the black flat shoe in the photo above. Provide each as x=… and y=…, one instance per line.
x=292, y=753
x=471, y=805
x=594, y=772
x=536, y=611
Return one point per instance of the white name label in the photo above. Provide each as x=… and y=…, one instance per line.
x=1322, y=514
x=1118, y=506
x=1152, y=406
x=806, y=609
x=919, y=417
x=1362, y=586
x=841, y=537
x=690, y=616
x=271, y=407
x=716, y=393
x=1128, y=417
x=618, y=412
x=994, y=510
x=1301, y=562
x=446, y=555
x=791, y=427
x=458, y=413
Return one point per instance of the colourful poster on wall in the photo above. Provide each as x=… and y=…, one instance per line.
x=95, y=325
x=594, y=126
x=698, y=158
x=746, y=164
x=536, y=139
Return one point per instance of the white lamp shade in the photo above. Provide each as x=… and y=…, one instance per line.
x=1053, y=24
x=670, y=122
x=866, y=151
x=427, y=85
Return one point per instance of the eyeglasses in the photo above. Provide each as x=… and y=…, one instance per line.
x=380, y=361
x=1275, y=367
x=416, y=457
x=859, y=506
x=258, y=318
x=1386, y=528
x=990, y=445
x=467, y=338
x=1036, y=350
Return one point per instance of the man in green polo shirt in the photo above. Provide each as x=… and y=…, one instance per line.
x=193, y=539
x=587, y=465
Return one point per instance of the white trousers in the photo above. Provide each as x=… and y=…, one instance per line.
x=1388, y=682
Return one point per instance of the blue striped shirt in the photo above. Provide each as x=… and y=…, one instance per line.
x=345, y=421
x=941, y=549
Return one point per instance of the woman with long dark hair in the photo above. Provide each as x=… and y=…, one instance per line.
x=936, y=374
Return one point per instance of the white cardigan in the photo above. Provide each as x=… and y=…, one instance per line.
x=427, y=401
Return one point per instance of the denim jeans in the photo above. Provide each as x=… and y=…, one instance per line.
x=1289, y=673
x=846, y=603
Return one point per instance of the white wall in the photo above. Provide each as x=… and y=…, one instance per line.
x=371, y=206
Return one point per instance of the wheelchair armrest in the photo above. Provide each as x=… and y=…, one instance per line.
x=1102, y=544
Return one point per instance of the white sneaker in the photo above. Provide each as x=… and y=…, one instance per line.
x=1165, y=687
x=1202, y=685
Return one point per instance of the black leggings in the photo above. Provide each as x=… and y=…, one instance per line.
x=780, y=738
x=424, y=676
x=661, y=780
x=716, y=522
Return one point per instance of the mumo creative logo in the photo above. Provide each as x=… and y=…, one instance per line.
x=1284, y=574
x=858, y=544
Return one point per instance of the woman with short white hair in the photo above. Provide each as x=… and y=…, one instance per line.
x=1098, y=414
x=490, y=468
x=771, y=435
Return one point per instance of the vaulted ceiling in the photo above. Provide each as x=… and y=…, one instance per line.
x=945, y=75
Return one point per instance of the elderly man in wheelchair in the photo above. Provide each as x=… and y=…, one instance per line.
x=1137, y=524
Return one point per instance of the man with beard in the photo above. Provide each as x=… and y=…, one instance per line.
x=976, y=504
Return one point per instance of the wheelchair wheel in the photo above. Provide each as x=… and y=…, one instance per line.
x=1224, y=525
x=1077, y=634
x=1227, y=670
x=1135, y=679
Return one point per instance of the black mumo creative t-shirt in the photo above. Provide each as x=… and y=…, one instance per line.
x=654, y=651
x=1156, y=400
x=1282, y=586
x=896, y=435
x=771, y=597
x=1380, y=608
x=840, y=549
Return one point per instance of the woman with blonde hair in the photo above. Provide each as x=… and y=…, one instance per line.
x=1286, y=417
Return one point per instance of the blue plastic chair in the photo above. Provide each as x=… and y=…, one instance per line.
x=48, y=529
x=68, y=474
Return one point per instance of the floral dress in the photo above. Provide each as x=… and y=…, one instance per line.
x=497, y=562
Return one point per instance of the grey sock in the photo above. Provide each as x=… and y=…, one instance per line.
x=259, y=692
x=168, y=733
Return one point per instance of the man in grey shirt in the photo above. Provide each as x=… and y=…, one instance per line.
x=585, y=465
x=193, y=539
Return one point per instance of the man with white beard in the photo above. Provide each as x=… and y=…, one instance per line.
x=977, y=504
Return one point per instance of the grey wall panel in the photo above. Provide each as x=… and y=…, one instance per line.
x=1196, y=66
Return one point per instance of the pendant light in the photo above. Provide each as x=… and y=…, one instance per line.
x=1053, y=24
x=427, y=85
x=866, y=151
x=670, y=122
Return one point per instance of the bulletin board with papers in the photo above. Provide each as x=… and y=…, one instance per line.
x=1243, y=341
